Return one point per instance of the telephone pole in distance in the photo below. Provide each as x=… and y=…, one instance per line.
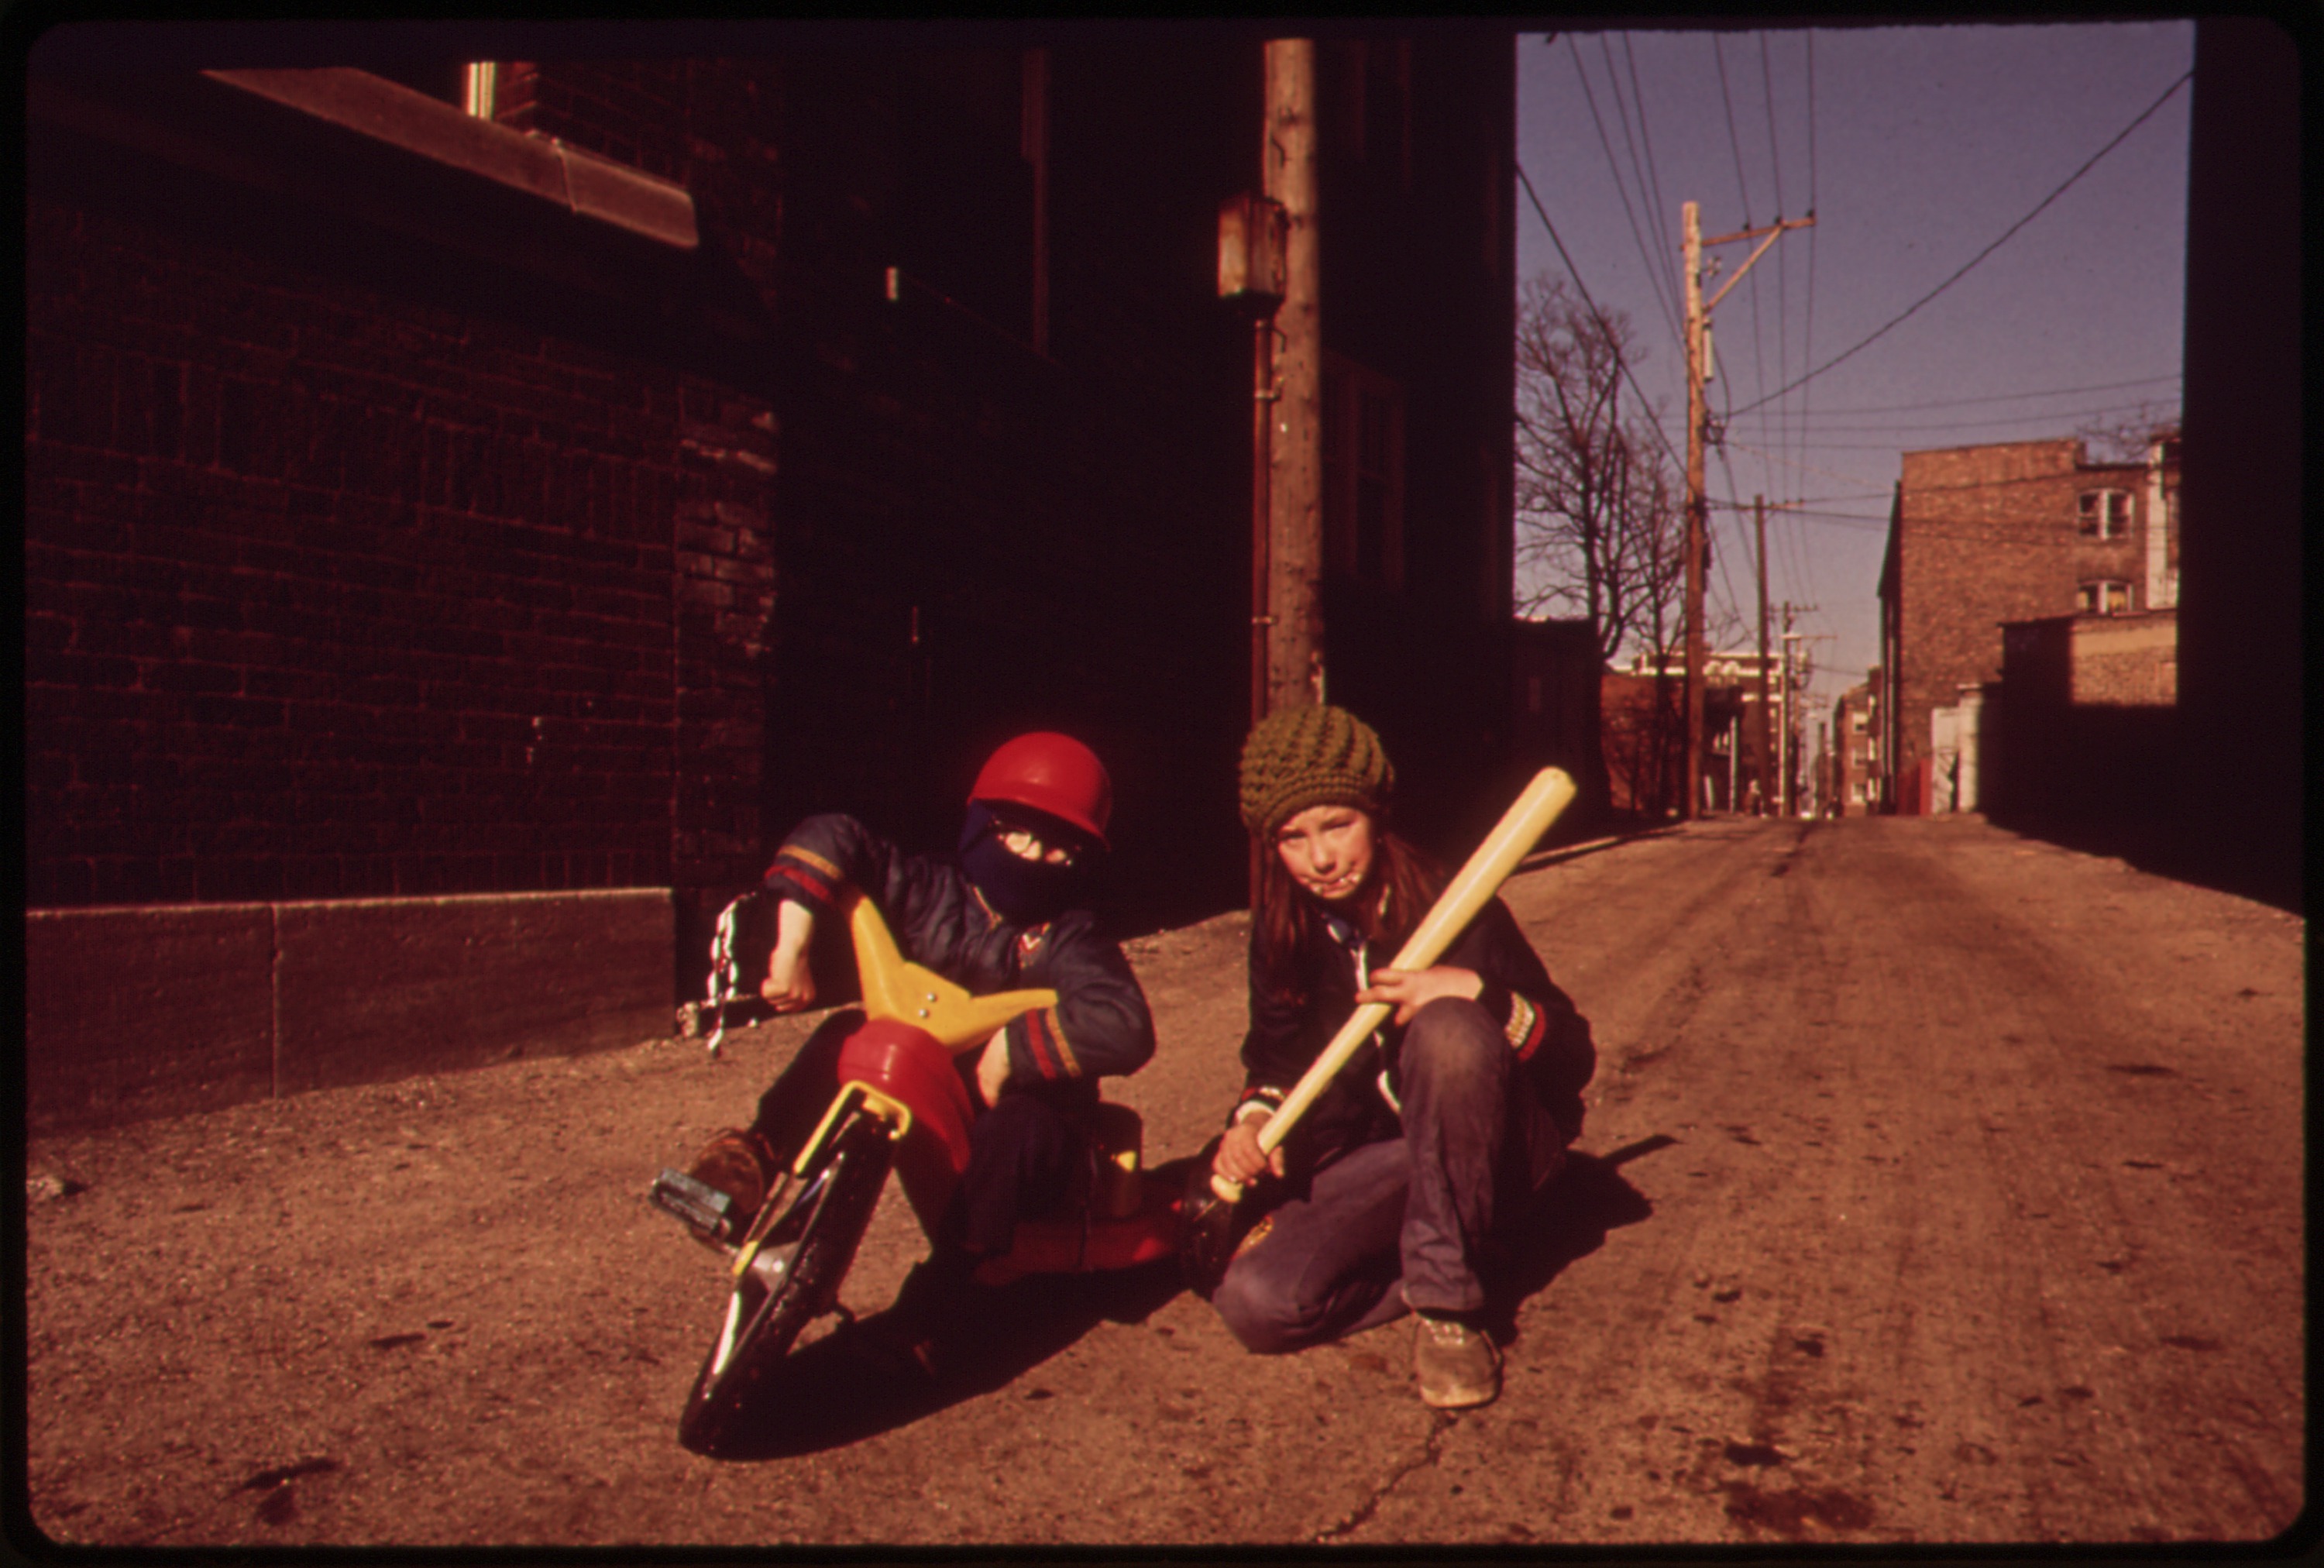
x=1698, y=372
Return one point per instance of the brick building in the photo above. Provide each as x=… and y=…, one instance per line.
x=1983, y=535
x=1855, y=750
x=476, y=497
x=1644, y=735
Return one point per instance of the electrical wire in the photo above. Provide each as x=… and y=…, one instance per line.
x=1807, y=336
x=1653, y=185
x=1733, y=141
x=2012, y=397
x=1654, y=274
x=2071, y=179
x=1654, y=419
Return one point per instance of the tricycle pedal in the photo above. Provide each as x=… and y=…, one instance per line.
x=702, y=1206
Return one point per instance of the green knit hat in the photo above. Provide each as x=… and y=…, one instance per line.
x=1303, y=756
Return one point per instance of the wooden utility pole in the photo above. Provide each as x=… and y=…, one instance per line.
x=1692, y=230
x=1784, y=775
x=1698, y=371
x=1295, y=633
x=1759, y=528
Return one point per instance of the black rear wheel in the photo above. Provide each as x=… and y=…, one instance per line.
x=793, y=1280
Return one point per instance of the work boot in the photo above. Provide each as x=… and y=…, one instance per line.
x=738, y=1163
x=1456, y=1364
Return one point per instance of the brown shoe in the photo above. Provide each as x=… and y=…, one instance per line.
x=1457, y=1365
x=735, y=1165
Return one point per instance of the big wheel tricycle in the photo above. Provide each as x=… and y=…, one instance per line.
x=902, y=1110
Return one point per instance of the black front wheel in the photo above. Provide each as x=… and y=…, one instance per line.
x=793, y=1280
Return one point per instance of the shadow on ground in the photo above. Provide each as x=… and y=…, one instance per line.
x=826, y=1396
x=1567, y=1222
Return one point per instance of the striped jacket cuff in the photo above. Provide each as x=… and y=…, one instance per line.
x=1041, y=1033
x=815, y=879
x=1266, y=1099
x=1522, y=1024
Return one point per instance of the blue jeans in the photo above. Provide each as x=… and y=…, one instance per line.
x=1417, y=1208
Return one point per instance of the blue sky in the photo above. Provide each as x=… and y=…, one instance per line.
x=1918, y=147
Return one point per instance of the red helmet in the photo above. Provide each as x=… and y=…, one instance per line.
x=1052, y=773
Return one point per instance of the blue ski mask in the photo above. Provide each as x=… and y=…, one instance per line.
x=1024, y=892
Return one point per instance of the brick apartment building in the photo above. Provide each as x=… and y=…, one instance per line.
x=483, y=483
x=1979, y=536
x=1855, y=749
x=1644, y=735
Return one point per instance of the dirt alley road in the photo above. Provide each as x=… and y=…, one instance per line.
x=1940, y=1186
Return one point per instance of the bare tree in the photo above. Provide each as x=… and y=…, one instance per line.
x=2126, y=440
x=1600, y=532
x=1601, y=526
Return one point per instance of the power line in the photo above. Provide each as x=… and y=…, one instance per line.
x=2070, y=180
x=1653, y=277
x=1653, y=187
x=2010, y=397
x=1733, y=141
x=1654, y=419
x=1849, y=427
x=1807, y=336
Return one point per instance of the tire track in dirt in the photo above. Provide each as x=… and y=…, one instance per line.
x=2036, y=1361
x=1908, y=1275
x=1686, y=978
x=2109, y=1434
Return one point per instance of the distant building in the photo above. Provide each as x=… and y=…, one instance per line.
x=1983, y=535
x=1645, y=709
x=1855, y=750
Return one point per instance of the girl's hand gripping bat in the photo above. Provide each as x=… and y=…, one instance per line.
x=1469, y=891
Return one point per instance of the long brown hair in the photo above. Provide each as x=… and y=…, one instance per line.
x=1403, y=883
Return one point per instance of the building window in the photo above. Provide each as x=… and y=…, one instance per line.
x=2103, y=598
x=1363, y=473
x=2104, y=513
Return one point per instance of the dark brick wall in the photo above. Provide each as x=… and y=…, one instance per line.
x=335, y=593
x=354, y=568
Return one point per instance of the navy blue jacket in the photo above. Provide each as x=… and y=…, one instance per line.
x=1100, y=1026
x=1295, y=1011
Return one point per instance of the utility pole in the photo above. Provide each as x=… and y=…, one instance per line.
x=1295, y=631
x=1759, y=528
x=1784, y=762
x=1698, y=372
x=1251, y=279
x=1793, y=736
x=1690, y=229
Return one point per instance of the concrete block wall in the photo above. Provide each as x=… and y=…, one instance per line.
x=2126, y=662
x=151, y=1010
